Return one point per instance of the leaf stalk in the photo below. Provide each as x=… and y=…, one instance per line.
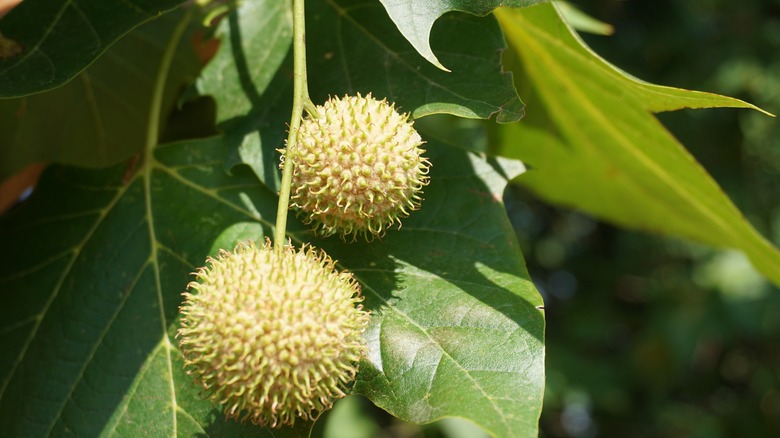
x=155, y=108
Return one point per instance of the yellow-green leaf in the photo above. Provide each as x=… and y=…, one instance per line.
x=592, y=142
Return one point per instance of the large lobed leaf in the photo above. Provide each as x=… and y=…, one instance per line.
x=457, y=328
x=94, y=265
x=59, y=38
x=593, y=143
x=415, y=18
x=102, y=116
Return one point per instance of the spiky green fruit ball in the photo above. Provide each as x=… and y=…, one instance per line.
x=358, y=167
x=272, y=335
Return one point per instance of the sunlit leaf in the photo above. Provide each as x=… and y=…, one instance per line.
x=456, y=328
x=593, y=143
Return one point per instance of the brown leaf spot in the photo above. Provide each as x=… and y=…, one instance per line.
x=9, y=48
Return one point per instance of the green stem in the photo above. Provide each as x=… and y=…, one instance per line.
x=155, y=109
x=300, y=97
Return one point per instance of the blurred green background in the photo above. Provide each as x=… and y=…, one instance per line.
x=651, y=336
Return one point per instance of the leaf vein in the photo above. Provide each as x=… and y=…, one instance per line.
x=93, y=350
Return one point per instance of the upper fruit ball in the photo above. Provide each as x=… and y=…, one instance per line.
x=272, y=334
x=358, y=167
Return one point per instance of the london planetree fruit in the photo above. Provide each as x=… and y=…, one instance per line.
x=272, y=334
x=358, y=167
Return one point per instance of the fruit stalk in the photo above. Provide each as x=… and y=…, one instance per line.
x=300, y=97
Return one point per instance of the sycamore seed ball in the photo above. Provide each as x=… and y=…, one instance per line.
x=358, y=168
x=272, y=335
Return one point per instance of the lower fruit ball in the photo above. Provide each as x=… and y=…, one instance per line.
x=272, y=335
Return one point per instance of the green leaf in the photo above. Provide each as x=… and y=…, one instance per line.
x=581, y=21
x=415, y=18
x=251, y=97
x=60, y=38
x=102, y=116
x=593, y=144
x=353, y=47
x=351, y=417
x=94, y=264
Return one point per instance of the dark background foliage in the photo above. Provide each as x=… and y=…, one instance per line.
x=653, y=336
